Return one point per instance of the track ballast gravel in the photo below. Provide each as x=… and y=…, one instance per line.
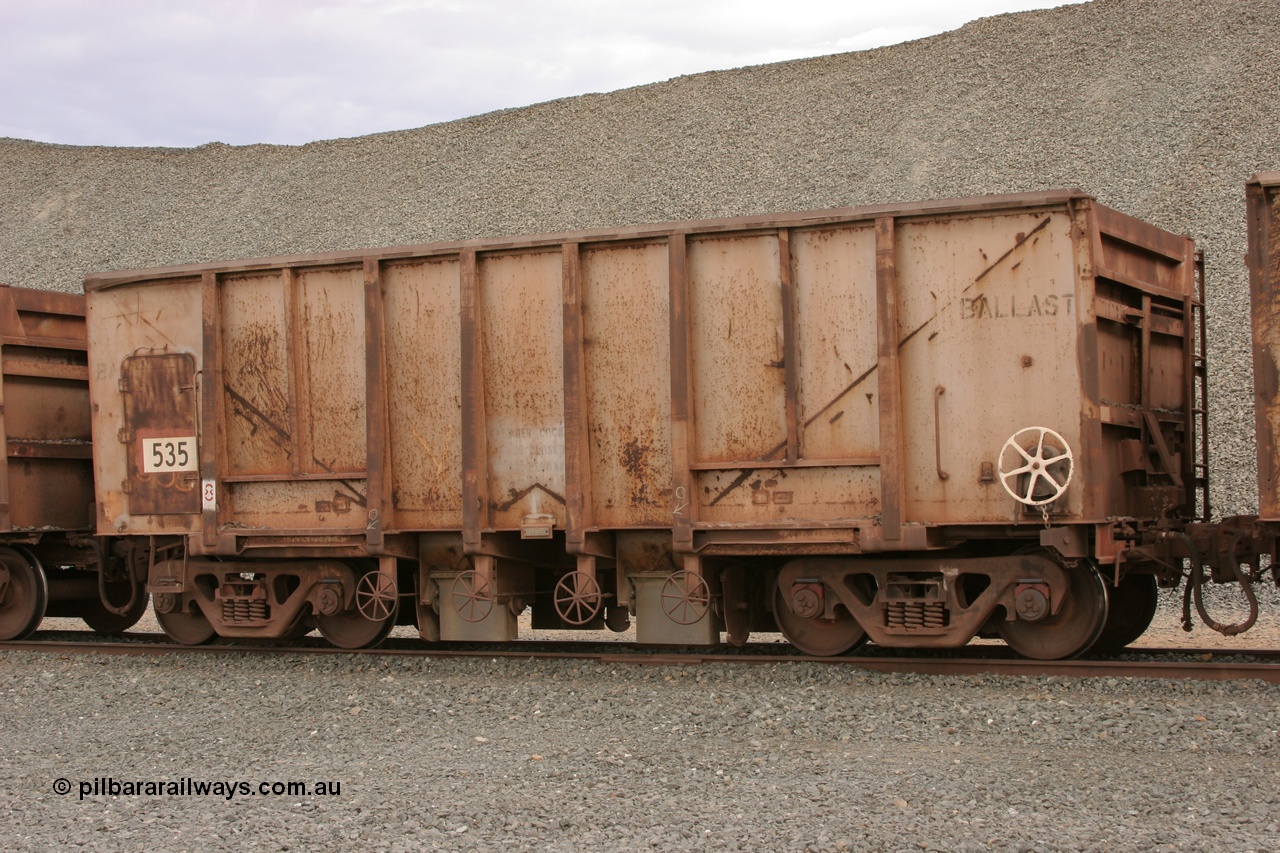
x=1162, y=110
x=486, y=755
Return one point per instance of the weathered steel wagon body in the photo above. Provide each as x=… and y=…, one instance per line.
x=49, y=558
x=916, y=422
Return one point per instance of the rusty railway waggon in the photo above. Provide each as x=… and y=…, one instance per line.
x=50, y=561
x=910, y=423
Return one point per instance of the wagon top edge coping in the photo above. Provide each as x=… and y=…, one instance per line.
x=1266, y=179
x=833, y=216
x=41, y=301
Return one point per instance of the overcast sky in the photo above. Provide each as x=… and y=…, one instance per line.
x=182, y=73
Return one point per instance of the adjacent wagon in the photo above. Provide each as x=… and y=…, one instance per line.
x=51, y=563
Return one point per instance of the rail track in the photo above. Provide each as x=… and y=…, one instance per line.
x=1162, y=663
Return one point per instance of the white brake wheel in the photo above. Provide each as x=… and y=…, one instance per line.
x=1047, y=469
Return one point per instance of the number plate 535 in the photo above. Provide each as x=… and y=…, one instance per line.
x=169, y=453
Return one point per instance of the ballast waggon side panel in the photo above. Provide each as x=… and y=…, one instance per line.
x=853, y=372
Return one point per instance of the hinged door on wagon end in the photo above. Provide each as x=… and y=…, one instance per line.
x=144, y=377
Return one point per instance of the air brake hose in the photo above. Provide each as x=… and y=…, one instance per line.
x=1195, y=583
x=101, y=549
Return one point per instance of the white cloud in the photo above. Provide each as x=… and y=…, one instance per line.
x=176, y=72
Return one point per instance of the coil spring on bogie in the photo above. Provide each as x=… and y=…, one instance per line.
x=915, y=615
x=243, y=610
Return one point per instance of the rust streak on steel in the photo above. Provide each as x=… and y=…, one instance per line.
x=245, y=409
x=737, y=481
x=528, y=490
x=1012, y=249
x=138, y=316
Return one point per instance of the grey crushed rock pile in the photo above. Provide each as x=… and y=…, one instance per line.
x=1161, y=109
x=527, y=755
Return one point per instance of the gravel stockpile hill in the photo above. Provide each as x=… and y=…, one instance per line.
x=1160, y=109
x=489, y=755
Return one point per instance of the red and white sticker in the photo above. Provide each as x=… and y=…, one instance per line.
x=166, y=454
x=208, y=495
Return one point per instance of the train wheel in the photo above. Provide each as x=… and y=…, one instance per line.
x=815, y=635
x=24, y=595
x=352, y=629
x=189, y=629
x=1130, y=609
x=1074, y=629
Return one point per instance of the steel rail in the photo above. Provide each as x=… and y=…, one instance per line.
x=1203, y=665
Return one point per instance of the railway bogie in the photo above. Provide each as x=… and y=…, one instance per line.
x=914, y=424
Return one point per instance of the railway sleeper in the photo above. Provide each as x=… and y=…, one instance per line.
x=828, y=606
